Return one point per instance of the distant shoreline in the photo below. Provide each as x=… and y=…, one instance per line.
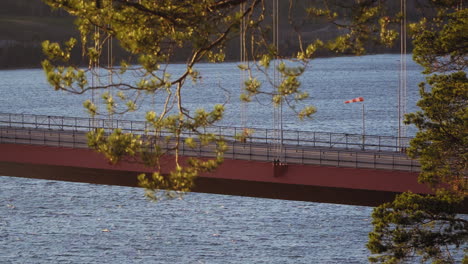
x=3, y=68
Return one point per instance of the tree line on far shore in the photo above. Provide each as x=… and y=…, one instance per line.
x=25, y=24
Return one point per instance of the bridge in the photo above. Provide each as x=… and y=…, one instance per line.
x=315, y=166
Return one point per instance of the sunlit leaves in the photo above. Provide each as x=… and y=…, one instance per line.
x=158, y=186
x=109, y=102
x=150, y=63
x=246, y=134
x=131, y=106
x=265, y=61
x=308, y=111
x=387, y=35
x=252, y=85
x=115, y=146
x=90, y=107
x=440, y=47
x=310, y=51
x=322, y=12
x=214, y=57
x=202, y=118
x=190, y=142
x=151, y=117
x=55, y=52
x=340, y=44
x=243, y=67
x=61, y=77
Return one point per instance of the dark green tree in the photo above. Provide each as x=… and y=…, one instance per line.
x=426, y=227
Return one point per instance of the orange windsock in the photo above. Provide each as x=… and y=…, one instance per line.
x=359, y=99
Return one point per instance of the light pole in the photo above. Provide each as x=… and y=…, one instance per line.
x=363, y=126
x=361, y=99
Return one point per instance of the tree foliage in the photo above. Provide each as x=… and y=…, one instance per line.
x=426, y=227
x=153, y=32
x=415, y=225
x=442, y=141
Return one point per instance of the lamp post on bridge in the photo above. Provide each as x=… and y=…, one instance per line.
x=360, y=99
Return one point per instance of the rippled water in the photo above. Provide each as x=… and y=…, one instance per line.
x=329, y=81
x=59, y=222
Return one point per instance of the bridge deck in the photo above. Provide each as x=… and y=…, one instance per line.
x=254, y=151
x=321, y=167
x=299, y=147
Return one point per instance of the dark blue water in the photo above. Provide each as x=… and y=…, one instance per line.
x=58, y=222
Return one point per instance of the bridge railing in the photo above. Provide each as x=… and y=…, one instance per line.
x=255, y=135
x=236, y=150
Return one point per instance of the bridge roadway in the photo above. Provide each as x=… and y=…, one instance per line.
x=352, y=173
x=252, y=151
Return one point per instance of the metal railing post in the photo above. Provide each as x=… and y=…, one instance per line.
x=233, y=152
x=346, y=139
x=285, y=155
x=183, y=146
x=363, y=142
x=200, y=149
x=268, y=152
x=302, y=157
x=356, y=159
